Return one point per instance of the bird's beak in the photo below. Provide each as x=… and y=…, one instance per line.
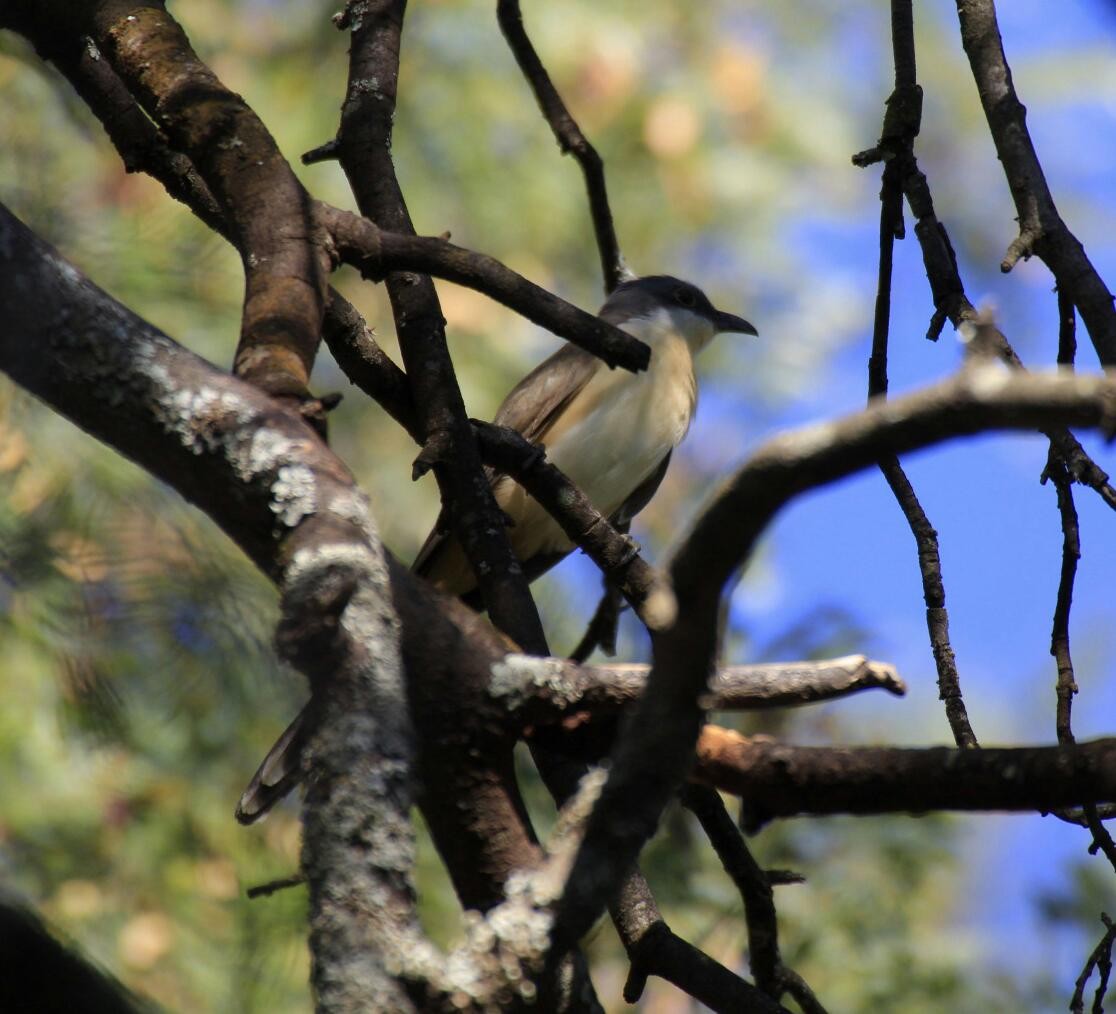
x=731, y=323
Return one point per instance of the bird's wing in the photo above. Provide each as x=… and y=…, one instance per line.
x=530, y=409
x=280, y=772
x=641, y=495
x=540, y=397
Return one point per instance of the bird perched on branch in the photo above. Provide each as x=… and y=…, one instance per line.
x=610, y=431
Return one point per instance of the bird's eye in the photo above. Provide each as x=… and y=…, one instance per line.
x=685, y=298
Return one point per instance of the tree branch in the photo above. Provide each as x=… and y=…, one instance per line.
x=771, y=975
x=286, y=263
x=654, y=949
x=1041, y=229
x=264, y=477
x=901, y=126
x=570, y=140
x=378, y=253
x=776, y=780
x=537, y=691
x=1100, y=959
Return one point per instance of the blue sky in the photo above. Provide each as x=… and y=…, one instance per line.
x=999, y=529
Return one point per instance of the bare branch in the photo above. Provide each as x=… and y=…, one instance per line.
x=901, y=125
x=364, y=151
x=263, y=475
x=1059, y=637
x=273, y=486
x=772, y=976
x=1100, y=959
x=616, y=554
x=570, y=139
x=285, y=260
x=776, y=780
x=654, y=949
x=1041, y=229
x=545, y=690
x=378, y=253
x=603, y=627
x=950, y=301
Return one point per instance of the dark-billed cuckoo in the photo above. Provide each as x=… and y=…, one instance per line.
x=610, y=431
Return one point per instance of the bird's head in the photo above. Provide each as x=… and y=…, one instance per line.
x=660, y=302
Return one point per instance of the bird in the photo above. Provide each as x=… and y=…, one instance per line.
x=612, y=432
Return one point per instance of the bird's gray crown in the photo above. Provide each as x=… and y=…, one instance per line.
x=642, y=296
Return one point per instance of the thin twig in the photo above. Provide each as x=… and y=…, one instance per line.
x=754, y=885
x=1101, y=959
x=1066, y=685
x=950, y=300
x=570, y=139
x=897, y=137
x=1059, y=636
x=272, y=886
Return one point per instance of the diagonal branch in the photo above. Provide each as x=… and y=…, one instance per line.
x=257, y=469
x=755, y=888
x=1041, y=229
x=354, y=620
x=1101, y=960
x=364, y=151
x=379, y=253
x=265, y=207
x=654, y=949
x=570, y=139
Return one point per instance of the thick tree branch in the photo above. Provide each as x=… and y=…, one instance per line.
x=776, y=780
x=286, y=263
x=364, y=150
x=268, y=481
x=144, y=148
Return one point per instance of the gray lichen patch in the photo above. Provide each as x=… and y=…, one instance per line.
x=294, y=494
x=516, y=679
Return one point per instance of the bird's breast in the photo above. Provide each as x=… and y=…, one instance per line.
x=619, y=429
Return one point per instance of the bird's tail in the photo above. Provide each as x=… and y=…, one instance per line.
x=280, y=772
